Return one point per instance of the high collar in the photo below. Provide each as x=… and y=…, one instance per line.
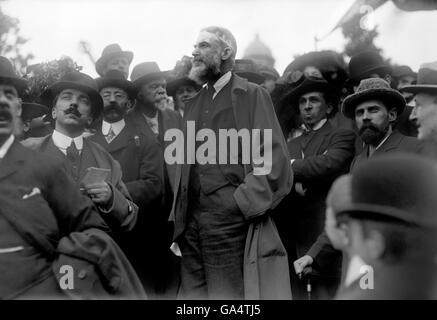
x=63, y=142
x=221, y=83
x=116, y=127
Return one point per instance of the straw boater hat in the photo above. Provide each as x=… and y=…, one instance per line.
x=426, y=79
x=373, y=88
x=109, y=52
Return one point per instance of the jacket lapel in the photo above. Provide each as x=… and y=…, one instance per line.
x=316, y=140
x=391, y=143
x=12, y=160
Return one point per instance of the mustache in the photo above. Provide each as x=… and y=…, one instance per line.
x=73, y=111
x=113, y=106
x=369, y=126
x=5, y=112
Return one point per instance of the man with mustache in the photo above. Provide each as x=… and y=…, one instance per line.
x=44, y=220
x=76, y=103
x=141, y=162
x=318, y=157
x=375, y=106
x=217, y=206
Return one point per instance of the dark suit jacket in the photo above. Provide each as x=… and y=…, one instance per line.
x=54, y=212
x=327, y=154
x=122, y=215
x=396, y=142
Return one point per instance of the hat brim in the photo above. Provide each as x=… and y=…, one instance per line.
x=419, y=88
x=367, y=211
x=96, y=100
x=32, y=110
x=252, y=77
x=392, y=97
x=19, y=84
x=127, y=86
x=174, y=85
x=293, y=95
x=102, y=61
x=149, y=77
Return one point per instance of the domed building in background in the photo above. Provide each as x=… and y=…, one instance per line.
x=259, y=52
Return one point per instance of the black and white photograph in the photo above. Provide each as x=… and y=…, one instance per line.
x=218, y=154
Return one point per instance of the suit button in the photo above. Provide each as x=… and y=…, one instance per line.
x=82, y=274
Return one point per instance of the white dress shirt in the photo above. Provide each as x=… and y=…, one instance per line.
x=116, y=127
x=63, y=142
x=5, y=147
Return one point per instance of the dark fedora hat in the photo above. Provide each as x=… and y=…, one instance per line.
x=32, y=110
x=8, y=75
x=373, y=88
x=145, y=72
x=174, y=84
x=363, y=64
x=115, y=78
x=247, y=69
x=301, y=84
x=109, y=52
x=426, y=79
x=396, y=186
x=79, y=81
x=403, y=71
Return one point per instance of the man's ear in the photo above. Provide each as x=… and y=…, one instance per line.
x=392, y=115
x=375, y=244
x=329, y=108
x=54, y=113
x=226, y=53
x=19, y=107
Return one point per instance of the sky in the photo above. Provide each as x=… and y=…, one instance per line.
x=164, y=31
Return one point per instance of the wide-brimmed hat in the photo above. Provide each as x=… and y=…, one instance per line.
x=174, y=84
x=398, y=187
x=363, y=64
x=79, y=81
x=8, y=75
x=32, y=110
x=373, y=88
x=247, y=69
x=426, y=79
x=115, y=78
x=109, y=52
x=145, y=72
x=301, y=84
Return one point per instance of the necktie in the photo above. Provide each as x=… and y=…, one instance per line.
x=72, y=152
x=111, y=135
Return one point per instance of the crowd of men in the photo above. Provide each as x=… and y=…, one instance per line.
x=92, y=207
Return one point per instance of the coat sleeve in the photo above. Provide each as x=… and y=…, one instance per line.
x=124, y=212
x=268, y=183
x=337, y=156
x=149, y=187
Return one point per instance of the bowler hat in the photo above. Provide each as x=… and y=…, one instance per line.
x=247, y=69
x=302, y=84
x=426, y=79
x=109, y=52
x=31, y=110
x=8, y=75
x=115, y=78
x=79, y=81
x=373, y=88
x=145, y=72
x=394, y=186
x=363, y=64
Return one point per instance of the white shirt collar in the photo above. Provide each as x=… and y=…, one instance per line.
x=63, y=142
x=116, y=127
x=319, y=124
x=221, y=83
x=5, y=147
x=354, y=270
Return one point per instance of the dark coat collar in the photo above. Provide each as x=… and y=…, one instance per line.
x=16, y=155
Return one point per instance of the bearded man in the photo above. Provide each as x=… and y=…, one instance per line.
x=216, y=203
x=374, y=107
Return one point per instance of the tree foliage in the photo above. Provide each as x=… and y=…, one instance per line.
x=11, y=42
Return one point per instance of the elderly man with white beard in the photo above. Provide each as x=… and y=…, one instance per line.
x=215, y=202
